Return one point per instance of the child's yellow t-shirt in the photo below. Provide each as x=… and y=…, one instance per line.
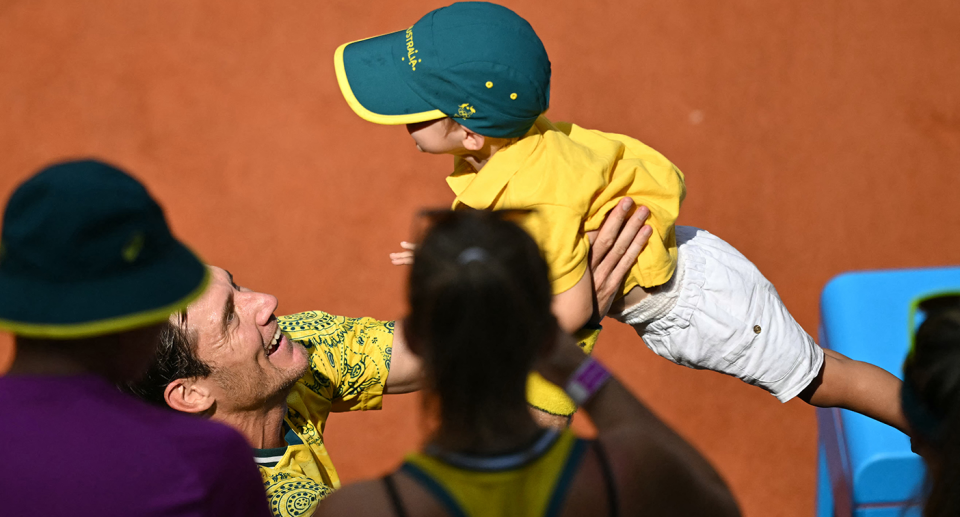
x=571, y=177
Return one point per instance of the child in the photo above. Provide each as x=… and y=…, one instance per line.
x=473, y=80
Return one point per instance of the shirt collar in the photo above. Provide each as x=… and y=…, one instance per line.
x=480, y=191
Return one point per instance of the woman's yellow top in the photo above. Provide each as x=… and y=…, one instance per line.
x=524, y=485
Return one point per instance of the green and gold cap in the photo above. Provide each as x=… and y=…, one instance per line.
x=86, y=251
x=476, y=62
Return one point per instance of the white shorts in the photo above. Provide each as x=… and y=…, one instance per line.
x=729, y=318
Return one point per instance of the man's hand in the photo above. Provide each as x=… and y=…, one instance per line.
x=615, y=249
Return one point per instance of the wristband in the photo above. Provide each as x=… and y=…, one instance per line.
x=586, y=380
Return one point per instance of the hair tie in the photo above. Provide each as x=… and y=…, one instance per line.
x=472, y=254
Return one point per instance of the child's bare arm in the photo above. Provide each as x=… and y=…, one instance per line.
x=857, y=386
x=574, y=307
x=591, y=297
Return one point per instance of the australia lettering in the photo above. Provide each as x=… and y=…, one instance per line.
x=411, y=51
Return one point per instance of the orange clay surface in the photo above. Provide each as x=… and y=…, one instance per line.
x=817, y=137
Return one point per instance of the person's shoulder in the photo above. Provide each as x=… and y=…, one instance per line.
x=116, y=413
x=191, y=433
x=209, y=449
x=367, y=498
x=204, y=451
x=217, y=463
x=165, y=425
x=654, y=473
x=125, y=413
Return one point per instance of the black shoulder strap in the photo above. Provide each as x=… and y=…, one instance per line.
x=391, y=487
x=562, y=487
x=612, y=497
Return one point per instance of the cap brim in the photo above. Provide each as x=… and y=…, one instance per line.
x=105, y=306
x=372, y=85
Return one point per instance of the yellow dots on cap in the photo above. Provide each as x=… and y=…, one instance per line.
x=489, y=84
x=513, y=96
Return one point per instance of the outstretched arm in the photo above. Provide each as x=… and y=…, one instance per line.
x=857, y=386
x=654, y=468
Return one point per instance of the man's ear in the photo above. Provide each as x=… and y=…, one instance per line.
x=473, y=141
x=188, y=396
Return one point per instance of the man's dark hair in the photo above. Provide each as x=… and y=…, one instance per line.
x=176, y=359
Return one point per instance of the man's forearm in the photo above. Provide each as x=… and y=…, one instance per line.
x=406, y=368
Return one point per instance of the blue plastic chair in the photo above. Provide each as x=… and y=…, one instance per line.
x=866, y=468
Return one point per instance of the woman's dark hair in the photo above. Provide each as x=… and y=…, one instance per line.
x=176, y=359
x=932, y=400
x=479, y=299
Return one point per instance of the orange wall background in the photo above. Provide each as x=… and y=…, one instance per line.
x=817, y=137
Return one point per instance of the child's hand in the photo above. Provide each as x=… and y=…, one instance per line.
x=404, y=258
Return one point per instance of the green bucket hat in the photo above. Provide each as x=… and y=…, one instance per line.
x=476, y=62
x=86, y=251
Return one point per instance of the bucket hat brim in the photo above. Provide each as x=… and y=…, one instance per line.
x=68, y=310
x=367, y=71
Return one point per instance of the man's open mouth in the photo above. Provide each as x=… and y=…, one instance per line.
x=275, y=344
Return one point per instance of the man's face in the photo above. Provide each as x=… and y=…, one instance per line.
x=238, y=337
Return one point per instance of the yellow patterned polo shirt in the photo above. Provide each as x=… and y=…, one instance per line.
x=349, y=362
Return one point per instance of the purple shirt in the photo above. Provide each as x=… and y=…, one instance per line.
x=77, y=446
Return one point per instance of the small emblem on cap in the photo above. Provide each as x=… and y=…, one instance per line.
x=465, y=111
x=133, y=248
